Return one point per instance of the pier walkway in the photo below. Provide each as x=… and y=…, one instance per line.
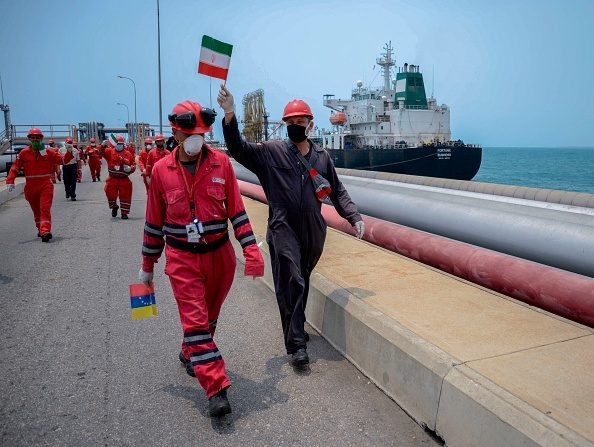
x=77, y=371
x=475, y=367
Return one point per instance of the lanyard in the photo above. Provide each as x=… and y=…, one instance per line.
x=190, y=190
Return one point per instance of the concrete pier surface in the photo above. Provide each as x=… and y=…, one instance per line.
x=477, y=367
x=76, y=370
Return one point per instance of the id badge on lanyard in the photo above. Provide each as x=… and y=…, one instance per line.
x=194, y=229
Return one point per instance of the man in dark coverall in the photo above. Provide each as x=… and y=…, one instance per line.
x=296, y=228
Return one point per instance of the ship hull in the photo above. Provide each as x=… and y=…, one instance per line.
x=454, y=162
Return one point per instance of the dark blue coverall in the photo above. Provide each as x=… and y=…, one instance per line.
x=296, y=228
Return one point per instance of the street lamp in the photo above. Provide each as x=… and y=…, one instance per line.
x=159, y=61
x=127, y=109
x=135, y=122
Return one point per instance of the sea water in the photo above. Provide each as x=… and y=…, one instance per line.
x=567, y=169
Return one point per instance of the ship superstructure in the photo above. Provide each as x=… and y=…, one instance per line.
x=395, y=119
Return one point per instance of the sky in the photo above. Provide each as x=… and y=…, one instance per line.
x=513, y=72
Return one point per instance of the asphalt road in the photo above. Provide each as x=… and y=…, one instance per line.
x=77, y=371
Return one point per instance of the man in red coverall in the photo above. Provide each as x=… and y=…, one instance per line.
x=193, y=194
x=120, y=164
x=94, y=157
x=156, y=154
x=38, y=164
x=142, y=156
x=56, y=174
x=82, y=158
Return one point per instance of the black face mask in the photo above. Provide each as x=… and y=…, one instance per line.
x=296, y=133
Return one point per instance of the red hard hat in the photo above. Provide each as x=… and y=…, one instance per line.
x=159, y=137
x=297, y=107
x=92, y=140
x=148, y=141
x=191, y=118
x=69, y=140
x=35, y=131
x=120, y=139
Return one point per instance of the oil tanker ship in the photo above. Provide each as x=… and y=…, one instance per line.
x=395, y=128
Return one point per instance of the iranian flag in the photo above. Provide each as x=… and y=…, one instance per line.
x=112, y=140
x=215, y=57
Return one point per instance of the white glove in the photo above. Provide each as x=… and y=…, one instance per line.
x=145, y=277
x=359, y=228
x=148, y=180
x=126, y=168
x=11, y=188
x=225, y=100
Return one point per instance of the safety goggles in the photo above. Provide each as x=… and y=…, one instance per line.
x=187, y=120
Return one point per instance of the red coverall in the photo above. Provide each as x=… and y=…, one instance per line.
x=94, y=156
x=142, y=163
x=153, y=157
x=200, y=273
x=39, y=190
x=56, y=172
x=79, y=164
x=118, y=182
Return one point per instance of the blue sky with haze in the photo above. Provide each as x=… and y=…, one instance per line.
x=515, y=73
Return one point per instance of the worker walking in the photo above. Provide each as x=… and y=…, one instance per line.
x=57, y=174
x=120, y=164
x=193, y=194
x=38, y=163
x=94, y=158
x=155, y=154
x=70, y=168
x=142, y=156
x=296, y=175
x=82, y=159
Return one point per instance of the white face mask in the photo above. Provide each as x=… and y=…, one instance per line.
x=149, y=147
x=119, y=147
x=193, y=144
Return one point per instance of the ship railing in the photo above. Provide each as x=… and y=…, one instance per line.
x=411, y=107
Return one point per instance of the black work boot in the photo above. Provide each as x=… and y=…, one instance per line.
x=218, y=405
x=124, y=216
x=188, y=365
x=114, y=211
x=300, y=358
x=46, y=237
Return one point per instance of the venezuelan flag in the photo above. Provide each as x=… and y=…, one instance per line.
x=142, y=301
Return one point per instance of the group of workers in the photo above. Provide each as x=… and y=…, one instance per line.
x=192, y=195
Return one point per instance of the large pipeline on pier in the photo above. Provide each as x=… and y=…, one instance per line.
x=563, y=293
x=560, y=236
x=523, y=192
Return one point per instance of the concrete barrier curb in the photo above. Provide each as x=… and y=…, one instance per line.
x=437, y=390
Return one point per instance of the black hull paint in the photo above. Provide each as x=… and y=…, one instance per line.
x=454, y=162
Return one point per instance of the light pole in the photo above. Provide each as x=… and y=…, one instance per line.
x=159, y=61
x=127, y=109
x=135, y=122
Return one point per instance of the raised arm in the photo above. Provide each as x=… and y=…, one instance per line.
x=251, y=155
